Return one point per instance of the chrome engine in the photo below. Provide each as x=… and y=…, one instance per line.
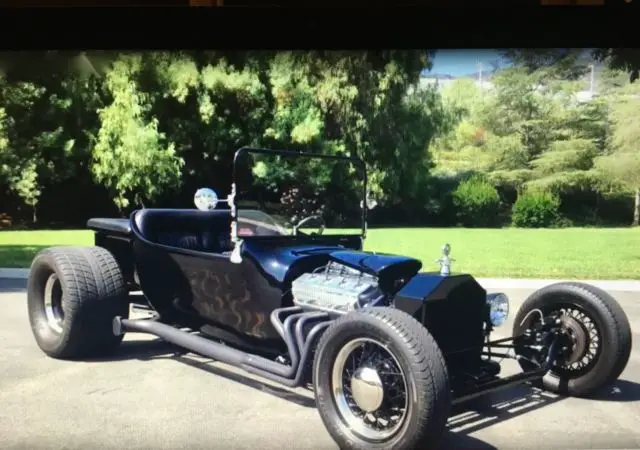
x=336, y=288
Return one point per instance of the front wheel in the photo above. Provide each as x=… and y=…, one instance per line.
x=381, y=382
x=596, y=331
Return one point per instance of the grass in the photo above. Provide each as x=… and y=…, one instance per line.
x=578, y=253
x=17, y=248
x=591, y=253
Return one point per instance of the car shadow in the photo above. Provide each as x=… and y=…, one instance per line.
x=155, y=349
x=465, y=419
x=621, y=391
x=495, y=408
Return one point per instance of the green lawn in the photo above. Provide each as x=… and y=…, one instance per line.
x=17, y=248
x=612, y=253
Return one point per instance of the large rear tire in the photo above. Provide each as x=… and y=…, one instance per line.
x=380, y=381
x=597, y=327
x=73, y=294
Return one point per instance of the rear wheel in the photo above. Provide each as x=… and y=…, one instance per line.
x=381, y=382
x=596, y=334
x=73, y=294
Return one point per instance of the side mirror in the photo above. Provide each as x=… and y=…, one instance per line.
x=206, y=199
x=371, y=203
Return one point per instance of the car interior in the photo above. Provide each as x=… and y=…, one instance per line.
x=191, y=229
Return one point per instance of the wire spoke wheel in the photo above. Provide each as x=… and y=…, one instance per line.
x=584, y=337
x=369, y=389
x=591, y=328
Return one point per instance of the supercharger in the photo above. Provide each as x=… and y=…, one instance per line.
x=336, y=288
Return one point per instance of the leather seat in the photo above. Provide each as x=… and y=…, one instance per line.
x=192, y=229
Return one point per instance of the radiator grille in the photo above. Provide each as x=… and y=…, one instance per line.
x=457, y=321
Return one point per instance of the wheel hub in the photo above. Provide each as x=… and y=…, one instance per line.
x=578, y=337
x=53, y=303
x=367, y=389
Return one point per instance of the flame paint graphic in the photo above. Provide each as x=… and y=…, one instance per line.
x=217, y=297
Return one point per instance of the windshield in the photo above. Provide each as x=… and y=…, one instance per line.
x=289, y=193
x=252, y=222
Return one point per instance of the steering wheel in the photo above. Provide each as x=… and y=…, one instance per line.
x=307, y=219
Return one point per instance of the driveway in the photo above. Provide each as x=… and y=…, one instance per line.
x=151, y=397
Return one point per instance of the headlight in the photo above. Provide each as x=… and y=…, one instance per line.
x=498, y=308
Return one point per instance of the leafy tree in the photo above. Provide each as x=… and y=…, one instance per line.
x=361, y=104
x=463, y=97
x=621, y=166
x=624, y=59
x=458, y=148
x=131, y=157
x=530, y=130
x=559, y=63
x=20, y=155
x=50, y=106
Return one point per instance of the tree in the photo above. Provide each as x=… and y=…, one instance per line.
x=50, y=114
x=559, y=63
x=458, y=147
x=143, y=124
x=621, y=167
x=362, y=104
x=529, y=130
x=131, y=157
x=625, y=59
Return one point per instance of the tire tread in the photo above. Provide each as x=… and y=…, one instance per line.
x=427, y=366
x=94, y=292
x=617, y=328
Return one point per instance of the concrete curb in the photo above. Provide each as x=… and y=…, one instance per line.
x=14, y=274
x=487, y=283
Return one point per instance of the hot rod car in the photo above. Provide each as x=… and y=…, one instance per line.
x=387, y=349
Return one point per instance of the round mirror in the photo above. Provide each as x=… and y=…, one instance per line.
x=205, y=199
x=371, y=203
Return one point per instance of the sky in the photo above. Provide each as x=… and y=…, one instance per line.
x=464, y=62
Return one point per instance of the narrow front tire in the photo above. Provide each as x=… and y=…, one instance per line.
x=598, y=331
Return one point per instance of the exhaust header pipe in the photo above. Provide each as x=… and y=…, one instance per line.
x=299, y=345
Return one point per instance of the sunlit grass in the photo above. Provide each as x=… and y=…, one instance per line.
x=592, y=253
x=17, y=248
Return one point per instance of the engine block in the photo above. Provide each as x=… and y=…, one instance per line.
x=336, y=288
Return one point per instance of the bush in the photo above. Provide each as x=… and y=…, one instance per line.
x=536, y=209
x=477, y=203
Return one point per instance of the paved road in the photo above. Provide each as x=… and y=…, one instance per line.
x=149, y=398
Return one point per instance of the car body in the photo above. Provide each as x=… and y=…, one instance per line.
x=294, y=307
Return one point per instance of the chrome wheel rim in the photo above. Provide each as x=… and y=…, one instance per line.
x=369, y=389
x=53, y=303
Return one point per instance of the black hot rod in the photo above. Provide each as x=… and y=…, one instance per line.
x=387, y=349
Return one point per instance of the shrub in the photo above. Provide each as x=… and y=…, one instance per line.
x=477, y=203
x=536, y=209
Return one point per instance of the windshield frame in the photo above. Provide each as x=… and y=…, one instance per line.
x=359, y=163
